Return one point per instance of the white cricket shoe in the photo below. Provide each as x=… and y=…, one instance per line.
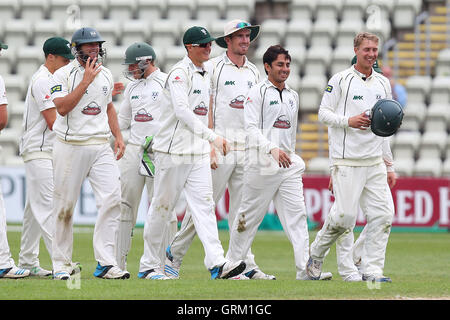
x=227, y=270
x=153, y=274
x=14, y=273
x=326, y=276
x=323, y=276
x=61, y=275
x=240, y=277
x=314, y=269
x=257, y=274
x=171, y=266
x=110, y=272
x=375, y=278
x=39, y=272
x=355, y=277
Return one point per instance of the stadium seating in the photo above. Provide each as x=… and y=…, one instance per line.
x=318, y=35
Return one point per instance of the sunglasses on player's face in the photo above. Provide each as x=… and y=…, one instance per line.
x=202, y=45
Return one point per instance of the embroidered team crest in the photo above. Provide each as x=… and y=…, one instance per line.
x=238, y=102
x=201, y=109
x=105, y=90
x=92, y=109
x=250, y=84
x=155, y=95
x=143, y=116
x=378, y=97
x=282, y=123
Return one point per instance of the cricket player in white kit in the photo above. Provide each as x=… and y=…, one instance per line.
x=232, y=76
x=36, y=146
x=359, y=174
x=82, y=94
x=8, y=268
x=182, y=161
x=272, y=169
x=139, y=111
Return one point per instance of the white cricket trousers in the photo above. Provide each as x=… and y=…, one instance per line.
x=37, y=216
x=230, y=172
x=6, y=260
x=132, y=184
x=350, y=186
x=173, y=174
x=285, y=187
x=72, y=164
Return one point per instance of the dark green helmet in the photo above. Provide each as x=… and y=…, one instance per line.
x=139, y=53
x=386, y=117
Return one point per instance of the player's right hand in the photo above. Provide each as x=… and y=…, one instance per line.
x=213, y=158
x=222, y=144
x=91, y=69
x=360, y=121
x=281, y=157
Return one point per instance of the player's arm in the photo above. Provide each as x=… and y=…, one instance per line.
x=119, y=145
x=41, y=95
x=179, y=87
x=49, y=116
x=3, y=116
x=389, y=161
x=125, y=111
x=66, y=103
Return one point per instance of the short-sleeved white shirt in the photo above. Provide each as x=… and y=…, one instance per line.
x=37, y=137
x=89, y=118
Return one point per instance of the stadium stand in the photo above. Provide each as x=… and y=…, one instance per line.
x=318, y=34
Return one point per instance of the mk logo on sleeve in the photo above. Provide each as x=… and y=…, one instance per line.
x=358, y=98
x=56, y=88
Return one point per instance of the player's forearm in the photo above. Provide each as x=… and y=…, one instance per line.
x=113, y=122
x=328, y=117
x=67, y=103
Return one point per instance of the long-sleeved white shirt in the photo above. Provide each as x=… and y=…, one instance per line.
x=184, y=111
x=348, y=95
x=140, y=108
x=271, y=117
x=37, y=139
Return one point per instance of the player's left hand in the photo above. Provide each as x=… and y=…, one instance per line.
x=118, y=88
x=391, y=179
x=119, y=148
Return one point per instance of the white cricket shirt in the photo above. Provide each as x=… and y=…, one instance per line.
x=140, y=108
x=271, y=117
x=184, y=111
x=229, y=87
x=348, y=95
x=89, y=118
x=37, y=139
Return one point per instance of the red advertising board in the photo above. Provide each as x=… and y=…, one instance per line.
x=419, y=202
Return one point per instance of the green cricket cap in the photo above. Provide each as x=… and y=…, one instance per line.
x=59, y=47
x=197, y=35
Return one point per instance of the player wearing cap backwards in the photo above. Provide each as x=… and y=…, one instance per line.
x=232, y=76
x=36, y=145
x=359, y=174
x=140, y=112
x=182, y=161
x=82, y=94
x=8, y=268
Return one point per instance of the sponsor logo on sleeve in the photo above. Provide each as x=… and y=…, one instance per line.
x=329, y=88
x=56, y=88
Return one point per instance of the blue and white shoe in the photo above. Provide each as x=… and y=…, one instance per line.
x=61, y=275
x=257, y=274
x=153, y=274
x=110, y=272
x=171, y=266
x=227, y=270
x=14, y=273
x=375, y=278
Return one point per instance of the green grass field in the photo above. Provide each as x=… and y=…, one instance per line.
x=418, y=263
